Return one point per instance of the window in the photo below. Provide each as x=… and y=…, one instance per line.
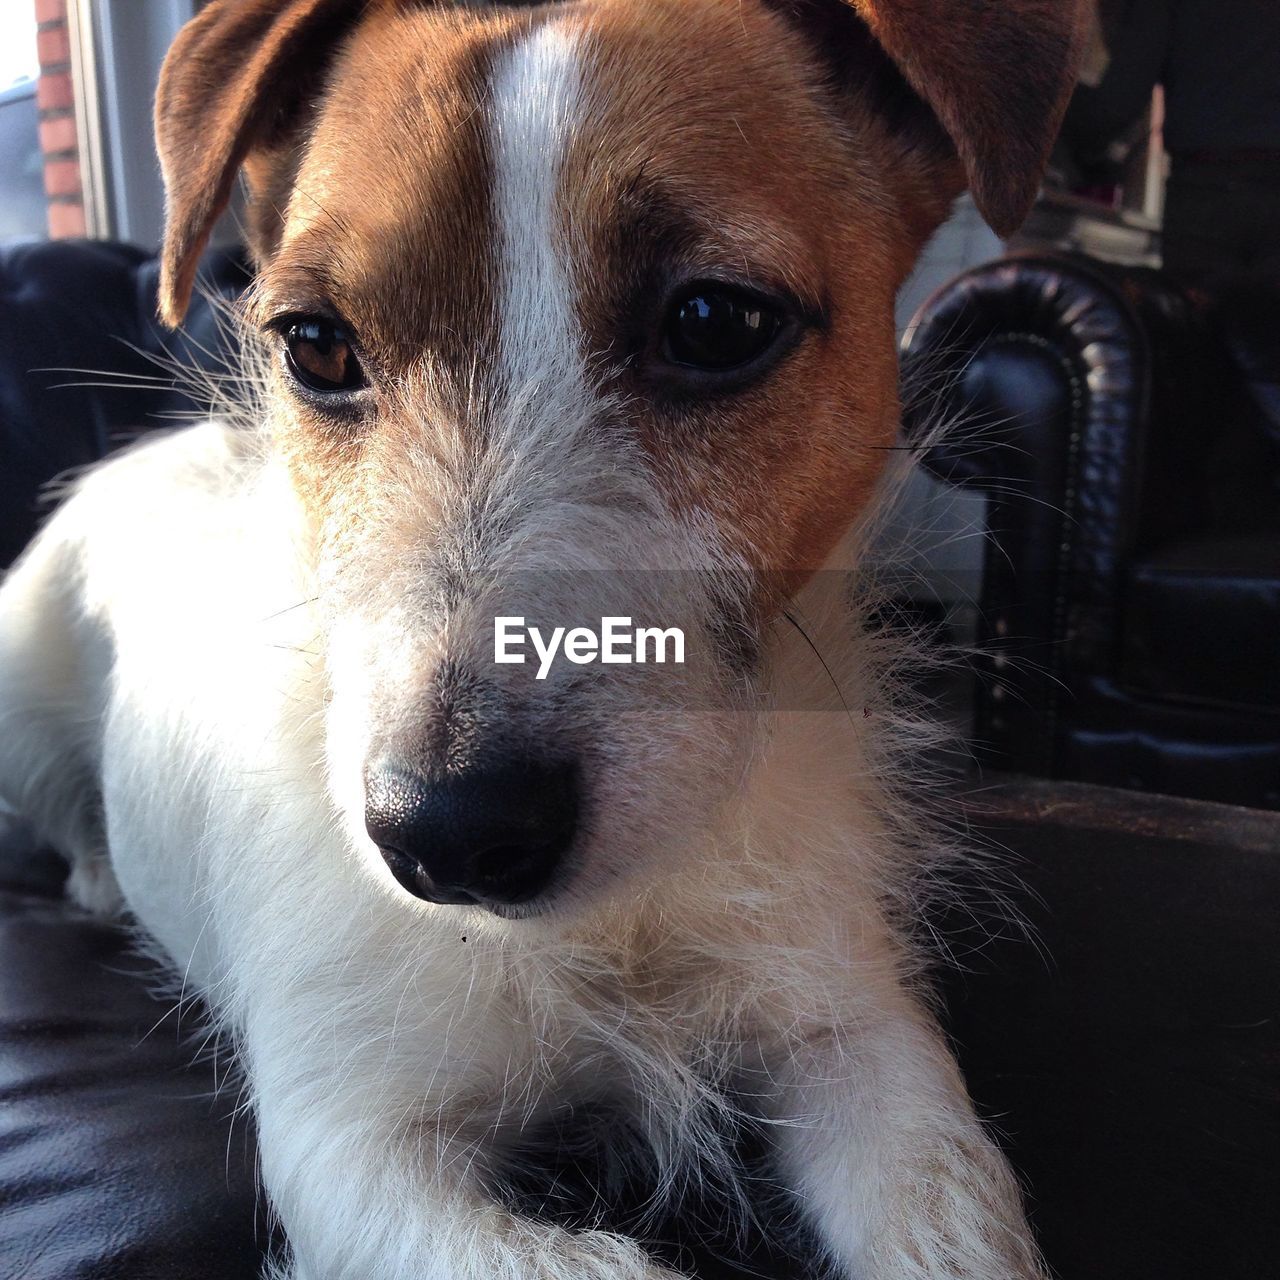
x=22, y=195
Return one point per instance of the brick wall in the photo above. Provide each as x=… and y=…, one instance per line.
x=55, y=97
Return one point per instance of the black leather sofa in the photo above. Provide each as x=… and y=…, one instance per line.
x=85, y=366
x=1131, y=1077
x=118, y=1156
x=1127, y=435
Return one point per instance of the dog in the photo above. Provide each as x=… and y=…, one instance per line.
x=562, y=312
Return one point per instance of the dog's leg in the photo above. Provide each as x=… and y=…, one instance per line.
x=880, y=1141
x=355, y=1208
x=472, y=1241
x=367, y=1188
x=53, y=671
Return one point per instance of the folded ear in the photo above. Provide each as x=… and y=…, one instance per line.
x=997, y=74
x=232, y=85
x=984, y=81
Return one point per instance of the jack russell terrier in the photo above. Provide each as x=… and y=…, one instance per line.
x=570, y=312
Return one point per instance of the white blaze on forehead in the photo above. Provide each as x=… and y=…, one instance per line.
x=536, y=107
x=559, y=490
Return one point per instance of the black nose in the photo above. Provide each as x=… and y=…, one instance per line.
x=493, y=835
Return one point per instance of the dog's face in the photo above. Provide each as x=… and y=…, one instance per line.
x=579, y=311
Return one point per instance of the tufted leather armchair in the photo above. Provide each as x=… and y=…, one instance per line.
x=1127, y=436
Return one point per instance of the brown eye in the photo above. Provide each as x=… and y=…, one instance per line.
x=718, y=328
x=319, y=355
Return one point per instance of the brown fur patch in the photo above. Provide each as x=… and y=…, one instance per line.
x=744, y=167
x=390, y=227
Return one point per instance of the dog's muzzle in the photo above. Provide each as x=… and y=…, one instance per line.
x=492, y=835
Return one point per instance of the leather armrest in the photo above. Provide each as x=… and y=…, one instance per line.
x=1045, y=380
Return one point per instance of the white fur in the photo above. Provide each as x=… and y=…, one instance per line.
x=535, y=104
x=176, y=689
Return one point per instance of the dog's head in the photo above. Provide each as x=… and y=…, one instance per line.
x=582, y=310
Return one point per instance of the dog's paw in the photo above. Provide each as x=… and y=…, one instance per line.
x=92, y=885
x=599, y=1255
x=533, y=1268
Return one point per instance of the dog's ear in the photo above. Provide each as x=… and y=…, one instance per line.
x=231, y=93
x=994, y=75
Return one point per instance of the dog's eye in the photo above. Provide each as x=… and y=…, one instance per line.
x=718, y=328
x=319, y=354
